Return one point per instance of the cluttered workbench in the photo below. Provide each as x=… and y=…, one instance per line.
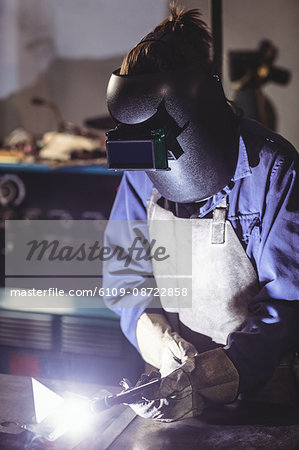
x=242, y=425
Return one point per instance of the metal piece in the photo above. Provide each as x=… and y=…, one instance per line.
x=239, y=426
x=10, y=427
x=112, y=431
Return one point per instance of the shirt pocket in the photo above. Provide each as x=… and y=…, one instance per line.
x=247, y=227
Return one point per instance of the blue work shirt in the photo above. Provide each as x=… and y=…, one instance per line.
x=263, y=210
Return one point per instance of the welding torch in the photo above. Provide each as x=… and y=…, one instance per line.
x=130, y=395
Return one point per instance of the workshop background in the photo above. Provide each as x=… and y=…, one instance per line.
x=56, y=59
x=66, y=50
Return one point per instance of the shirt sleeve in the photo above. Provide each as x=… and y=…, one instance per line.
x=272, y=326
x=123, y=276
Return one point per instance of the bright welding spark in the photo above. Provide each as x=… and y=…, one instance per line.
x=74, y=417
x=62, y=415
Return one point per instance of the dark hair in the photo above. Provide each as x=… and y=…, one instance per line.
x=187, y=44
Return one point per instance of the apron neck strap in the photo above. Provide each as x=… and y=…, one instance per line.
x=218, y=222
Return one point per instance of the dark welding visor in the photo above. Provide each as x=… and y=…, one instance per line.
x=130, y=151
x=146, y=134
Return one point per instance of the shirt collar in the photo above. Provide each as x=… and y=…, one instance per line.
x=242, y=170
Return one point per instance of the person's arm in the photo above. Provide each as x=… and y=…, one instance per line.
x=272, y=326
x=129, y=209
x=149, y=332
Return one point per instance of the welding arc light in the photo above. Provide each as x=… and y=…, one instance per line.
x=59, y=415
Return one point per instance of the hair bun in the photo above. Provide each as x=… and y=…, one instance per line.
x=180, y=18
x=177, y=16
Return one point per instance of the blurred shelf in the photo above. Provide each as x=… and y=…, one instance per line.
x=43, y=167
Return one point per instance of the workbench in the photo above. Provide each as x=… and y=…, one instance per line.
x=241, y=425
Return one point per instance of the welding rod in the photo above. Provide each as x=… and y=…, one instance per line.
x=130, y=395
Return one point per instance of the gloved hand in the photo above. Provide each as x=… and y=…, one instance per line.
x=209, y=377
x=159, y=346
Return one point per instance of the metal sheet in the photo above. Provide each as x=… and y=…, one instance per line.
x=120, y=418
x=241, y=426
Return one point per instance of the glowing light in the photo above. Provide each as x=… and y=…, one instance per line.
x=45, y=400
x=56, y=415
x=75, y=416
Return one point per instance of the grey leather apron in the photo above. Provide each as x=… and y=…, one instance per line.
x=223, y=278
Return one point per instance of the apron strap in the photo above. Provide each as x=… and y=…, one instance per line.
x=218, y=222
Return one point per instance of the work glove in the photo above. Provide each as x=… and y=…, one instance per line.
x=205, y=379
x=159, y=346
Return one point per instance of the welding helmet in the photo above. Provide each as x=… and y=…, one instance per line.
x=178, y=127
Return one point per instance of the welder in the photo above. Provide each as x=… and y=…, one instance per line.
x=236, y=181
